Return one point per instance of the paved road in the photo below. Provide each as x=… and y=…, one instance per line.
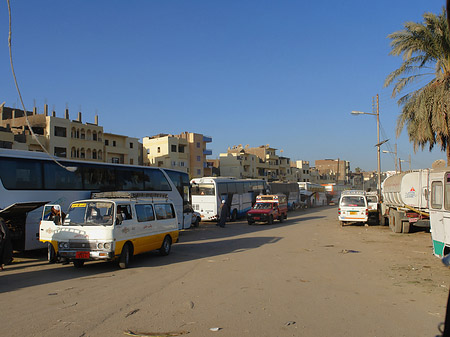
x=305, y=277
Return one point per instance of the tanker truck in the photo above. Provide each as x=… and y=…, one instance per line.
x=405, y=200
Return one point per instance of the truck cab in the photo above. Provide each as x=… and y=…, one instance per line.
x=268, y=208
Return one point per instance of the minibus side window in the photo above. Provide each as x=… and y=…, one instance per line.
x=144, y=213
x=436, y=194
x=447, y=193
x=125, y=210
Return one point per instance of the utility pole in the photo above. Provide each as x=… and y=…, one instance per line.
x=378, y=150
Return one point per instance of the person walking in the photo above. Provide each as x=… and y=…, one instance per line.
x=6, y=249
x=223, y=213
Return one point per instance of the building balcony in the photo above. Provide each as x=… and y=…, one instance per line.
x=207, y=152
x=207, y=139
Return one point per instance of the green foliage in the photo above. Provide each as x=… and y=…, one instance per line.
x=425, y=49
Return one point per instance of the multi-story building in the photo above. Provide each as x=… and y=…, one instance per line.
x=333, y=170
x=186, y=151
x=63, y=137
x=255, y=162
x=302, y=170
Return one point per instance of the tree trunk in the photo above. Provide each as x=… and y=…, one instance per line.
x=448, y=154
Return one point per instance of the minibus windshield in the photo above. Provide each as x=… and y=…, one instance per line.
x=90, y=213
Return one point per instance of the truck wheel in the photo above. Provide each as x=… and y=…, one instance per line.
x=270, y=220
x=166, y=245
x=281, y=217
x=125, y=256
x=250, y=222
x=406, y=226
x=51, y=254
x=397, y=225
x=78, y=263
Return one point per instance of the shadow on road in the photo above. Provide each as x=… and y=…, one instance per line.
x=11, y=280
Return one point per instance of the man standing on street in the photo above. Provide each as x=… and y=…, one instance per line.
x=223, y=213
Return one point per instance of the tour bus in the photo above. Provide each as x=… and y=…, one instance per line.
x=239, y=194
x=110, y=226
x=312, y=194
x=290, y=190
x=29, y=180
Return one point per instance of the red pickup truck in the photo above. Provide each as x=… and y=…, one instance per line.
x=268, y=208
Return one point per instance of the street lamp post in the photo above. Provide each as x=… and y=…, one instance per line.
x=395, y=152
x=377, y=113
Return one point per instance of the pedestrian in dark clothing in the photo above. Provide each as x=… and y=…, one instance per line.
x=6, y=250
x=223, y=214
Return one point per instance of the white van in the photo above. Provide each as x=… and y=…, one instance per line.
x=111, y=226
x=353, y=207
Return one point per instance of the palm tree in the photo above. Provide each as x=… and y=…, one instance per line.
x=425, y=48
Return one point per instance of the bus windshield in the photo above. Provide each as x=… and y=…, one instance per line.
x=203, y=189
x=90, y=213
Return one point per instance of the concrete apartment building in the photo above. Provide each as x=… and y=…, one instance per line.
x=65, y=138
x=302, y=170
x=255, y=162
x=186, y=151
x=333, y=170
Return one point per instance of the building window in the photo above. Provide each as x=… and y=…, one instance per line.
x=94, y=136
x=181, y=148
x=106, y=142
x=148, y=151
x=131, y=162
x=159, y=149
x=198, y=158
x=131, y=145
x=199, y=172
x=60, y=132
x=173, y=148
x=115, y=160
x=114, y=143
x=174, y=163
x=94, y=154
x=60, y=152
x=182, y=163
x=198, y=144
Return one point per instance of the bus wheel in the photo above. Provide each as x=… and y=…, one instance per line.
x=233, y=215
x=166, y=245
x=78, y=263
x=270, y=221
x=125, y=255
x=51, y=254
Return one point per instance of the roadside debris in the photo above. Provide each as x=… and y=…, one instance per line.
x=215, y=329
x=345, y=251
x=290, y=323
x=131, y=313
x=155, y=334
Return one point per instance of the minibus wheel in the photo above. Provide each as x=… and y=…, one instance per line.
x=51, y=254
x=270, y=221
x=125, y=255
x=78, y=263
x=166, y=245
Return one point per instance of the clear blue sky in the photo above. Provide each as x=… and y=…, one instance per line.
x=284, y=73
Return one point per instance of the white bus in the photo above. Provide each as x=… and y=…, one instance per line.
x=290, y=190
x=239, y=194
x=28, y=180
x=312, y=194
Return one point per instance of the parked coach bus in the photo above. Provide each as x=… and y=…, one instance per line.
x=28, y=180
x=239, y=194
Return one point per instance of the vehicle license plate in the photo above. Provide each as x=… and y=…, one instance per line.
x=353, y=213
x=82, y=255
x=256, y=218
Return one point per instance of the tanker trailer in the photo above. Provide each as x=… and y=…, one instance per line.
x=405, y=200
